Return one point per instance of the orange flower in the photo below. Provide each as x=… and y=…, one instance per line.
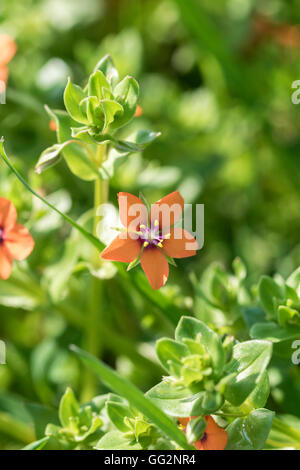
x=15, y=240
x=214, y=437
x=7, y=51
x=151, y=242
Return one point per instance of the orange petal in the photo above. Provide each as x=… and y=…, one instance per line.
x=155, y=266
x=8, y=214
x=8, y=49
x=122, y=249
x=167, y=210
x=181, y=244
x=19, y=242
x=138, y=111
x=184, y=421
x=216, y=437
x=5, y=262
x=133, y=212
x=216, y=441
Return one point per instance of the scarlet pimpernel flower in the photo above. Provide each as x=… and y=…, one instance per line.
x=214, y=437
x=151, y=238
x=15, y=240
x=7, y=51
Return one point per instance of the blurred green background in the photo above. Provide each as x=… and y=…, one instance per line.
x=215, y=79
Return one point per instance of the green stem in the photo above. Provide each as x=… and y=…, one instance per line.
x=95, y=316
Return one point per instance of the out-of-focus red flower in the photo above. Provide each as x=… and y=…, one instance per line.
x=138, y=111
x=8, y=49
x=52, y=126
x=15, y=240
x=151, y=239
x=264, y=29
x=214, y=437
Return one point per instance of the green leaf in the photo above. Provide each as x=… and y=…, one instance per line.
x=107, y=67
x=169, y=350
x=249, y=362
x=77, y=156
x=195, y=429
x=110, y=109
x=117, y=412
x=192, y=328
x=274, y=332
x=141, y=139
x=37, y=445
x=294, y=279
x=96, y=83
x=73, y=97
x=95, y=113
x=50, y=156
x=126, y=93
x=93, y=240
x=286, y=314
x=68, y=408
x=269, y=291
x=250, y=433
x=177, y=400
x=133, y=395
x=258, y=398
x=239, y=269
x=115, y=440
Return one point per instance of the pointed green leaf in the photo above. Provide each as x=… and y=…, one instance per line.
x=107, y=66
x=37, y=445
x=96, y=84
x=273, y=332
x=77, y=156
x=73, y=97
x=93, y=240
x=170, y=350
x=249, y=362
x=50, y=156
x=250, y=433
x=68, y=407
x=110, y=109
x=192, y=328
x=269, y=291
x=126, y=93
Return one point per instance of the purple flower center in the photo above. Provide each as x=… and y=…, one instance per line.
x=1, y=235
x=150, y=236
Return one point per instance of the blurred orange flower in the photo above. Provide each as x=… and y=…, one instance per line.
x=15, y=240
x=139, y=111
x=52, y=126
x=8, y=49
x=214, y=438
x=153, y=242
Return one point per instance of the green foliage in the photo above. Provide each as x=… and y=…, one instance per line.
x=227, y=142
x=250, y=433
x=80, y=426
